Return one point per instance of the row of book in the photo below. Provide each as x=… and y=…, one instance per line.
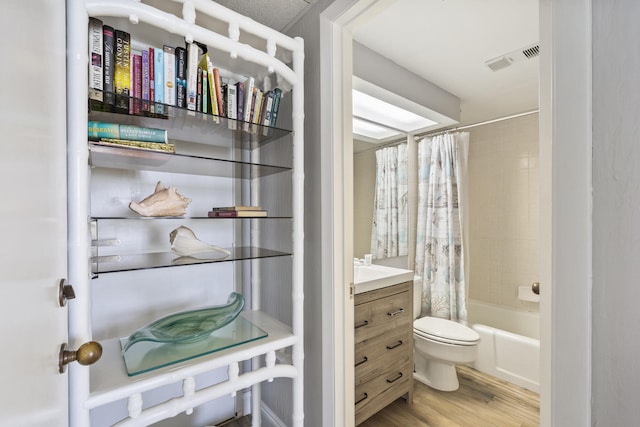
x=237, y=212
x=128, y=77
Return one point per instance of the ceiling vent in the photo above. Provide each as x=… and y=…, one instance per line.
x=506, y=60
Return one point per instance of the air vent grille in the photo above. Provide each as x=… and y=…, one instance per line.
x=531, y=52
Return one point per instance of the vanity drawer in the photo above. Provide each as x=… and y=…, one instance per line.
x=380, y=391
x=381, y=315
x=374, y=356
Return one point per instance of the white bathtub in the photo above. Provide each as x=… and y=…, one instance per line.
x=509, y=343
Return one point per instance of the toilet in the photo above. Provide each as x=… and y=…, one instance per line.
x=440, y=345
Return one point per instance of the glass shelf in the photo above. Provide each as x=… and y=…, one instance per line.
x=119, y=263
x=156, y=218
x=147, y=356
x=241, y=134
x=136, y=159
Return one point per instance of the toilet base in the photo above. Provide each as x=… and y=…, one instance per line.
x=436, y=374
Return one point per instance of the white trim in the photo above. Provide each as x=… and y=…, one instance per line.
x=566, y=205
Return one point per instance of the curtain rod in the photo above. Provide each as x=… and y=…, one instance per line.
x=440, y=132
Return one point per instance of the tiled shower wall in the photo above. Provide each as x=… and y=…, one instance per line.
x=503, y=210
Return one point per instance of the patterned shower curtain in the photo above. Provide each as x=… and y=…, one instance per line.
x=439, y=239
x=389, y=228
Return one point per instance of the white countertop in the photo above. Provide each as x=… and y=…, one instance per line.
x=372, y=277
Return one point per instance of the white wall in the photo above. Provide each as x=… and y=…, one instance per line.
x=616, y=213
x=503, y=210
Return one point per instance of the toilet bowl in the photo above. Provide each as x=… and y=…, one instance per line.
x=439, y=345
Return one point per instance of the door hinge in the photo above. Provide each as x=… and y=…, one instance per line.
x=352, y=290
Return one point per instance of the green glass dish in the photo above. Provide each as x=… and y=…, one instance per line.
x=188, y=326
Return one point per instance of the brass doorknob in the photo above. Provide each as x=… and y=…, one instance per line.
x=535, y=287
x=87, y=354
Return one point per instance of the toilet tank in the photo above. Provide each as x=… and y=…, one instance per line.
x=417, y=296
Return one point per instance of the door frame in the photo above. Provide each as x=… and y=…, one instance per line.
x=565, y=208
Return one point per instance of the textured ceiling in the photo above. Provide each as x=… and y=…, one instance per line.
x=277, y=14
x=447, y=43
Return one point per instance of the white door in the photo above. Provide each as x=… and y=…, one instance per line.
x=33, y=255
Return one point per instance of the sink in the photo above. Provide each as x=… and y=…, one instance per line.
x=371, y=277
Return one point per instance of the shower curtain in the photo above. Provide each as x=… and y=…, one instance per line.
x=389, y=227
x=440, y=257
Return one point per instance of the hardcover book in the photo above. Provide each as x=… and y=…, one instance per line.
x=199, y=90
x=108, y=66
x=268, y=107
x=240, y=99
x=193, y=73
x=144, y=145
x=218, y=89
x=206, y=63
x=158, y=66
x=248, y=100
x=145, y=80
x=96, y=46
x=135, y=105
x=232, y=101
x=122, y=78
x=206, y=99
x=101, y=130
x=237, y=208
x=169, y=75
x=181, y=77
x=255, y=119
x=277, y=94
x=236, y=214
x=152, y=81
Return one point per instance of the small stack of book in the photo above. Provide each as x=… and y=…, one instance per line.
x=237, y=211
x=129, y=136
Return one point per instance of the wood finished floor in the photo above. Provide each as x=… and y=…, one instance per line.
x=481, y=401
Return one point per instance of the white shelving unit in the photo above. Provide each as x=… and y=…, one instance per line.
x=240, y=163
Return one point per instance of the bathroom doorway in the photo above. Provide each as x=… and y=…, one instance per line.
x=336, y=25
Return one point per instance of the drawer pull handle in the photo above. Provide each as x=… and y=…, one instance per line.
x=365, y=395
x=365, y=359
x=396, y=345
x=365, y=323
x=395, y=313
x=395, y=379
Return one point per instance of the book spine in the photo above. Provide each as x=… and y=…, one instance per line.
x=277, y=94
x=96, y=47
x=193, y=74
x=218, y=86
x=122, y=83
x=232, y=101
x=248, y=103
x=159, y=80
x=240, y=99
x=152, y=81
x=181, y=77
x=108, y=66
x=267, y=110
x=145, y=80
x=135, y=105
x=199, y=90
x=206, y=99
x=234, y=214
x=99, y=130
x=212, y=88
x=155, y=146
x=257, y=107
x=169, y=75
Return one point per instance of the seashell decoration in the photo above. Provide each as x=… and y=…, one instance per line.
x=165, y=201
x=185, y=243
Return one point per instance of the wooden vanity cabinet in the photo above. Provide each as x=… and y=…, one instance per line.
x=383, y=348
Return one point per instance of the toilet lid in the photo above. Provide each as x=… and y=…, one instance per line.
x=446, y=331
